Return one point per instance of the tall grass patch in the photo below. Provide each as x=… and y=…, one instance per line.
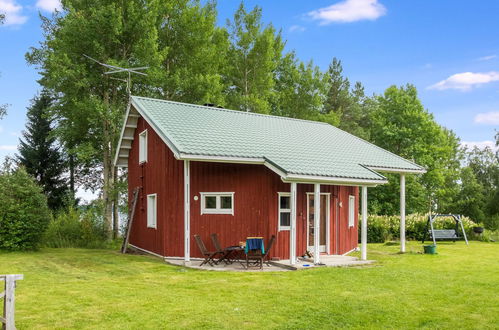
x=77, y=228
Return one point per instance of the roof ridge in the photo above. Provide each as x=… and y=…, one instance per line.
x=232, y=110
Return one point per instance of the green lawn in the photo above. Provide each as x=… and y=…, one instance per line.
x=75, y=288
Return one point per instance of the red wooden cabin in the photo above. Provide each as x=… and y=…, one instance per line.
x=204, y=170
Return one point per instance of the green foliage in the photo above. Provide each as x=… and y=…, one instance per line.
x=300, y=89
x=24, y=213
x=193, y=48
x=479, y=187
x=401, y=125
x=77, y=228
x=382, y=228
x=253, y=56
x=351, y=106
x=40, y=155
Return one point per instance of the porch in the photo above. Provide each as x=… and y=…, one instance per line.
x=317, y=229
x=275, y=266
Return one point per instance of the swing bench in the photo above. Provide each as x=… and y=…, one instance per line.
x=444, y=234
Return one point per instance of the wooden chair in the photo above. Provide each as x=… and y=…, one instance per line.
x=255, y=257
x=208, y=255
x=218, y=247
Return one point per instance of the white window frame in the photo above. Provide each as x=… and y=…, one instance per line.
x=351, y=211
x=143, y=147
x=218, y=209
x=152, y=211
x=282, y=210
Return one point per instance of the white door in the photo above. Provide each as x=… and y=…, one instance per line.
x=324, y=222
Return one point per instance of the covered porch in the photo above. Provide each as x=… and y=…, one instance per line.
x=319, y=253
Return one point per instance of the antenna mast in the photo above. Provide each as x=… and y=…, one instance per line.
x=116, y=69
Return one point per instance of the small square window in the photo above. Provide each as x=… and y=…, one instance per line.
x=285, y=220
x=210, y=202
x=285, y=202
x=226, y=202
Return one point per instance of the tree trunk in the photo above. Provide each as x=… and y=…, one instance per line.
x=107, y=194
x=116, y=223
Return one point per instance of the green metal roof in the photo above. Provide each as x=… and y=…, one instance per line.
x=295, y=147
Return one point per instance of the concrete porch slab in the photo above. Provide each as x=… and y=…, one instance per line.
x=326, y=261
x=275, y=266
x=234, y=267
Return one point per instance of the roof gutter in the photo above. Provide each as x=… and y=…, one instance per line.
x=395, y=170
x=284, y=176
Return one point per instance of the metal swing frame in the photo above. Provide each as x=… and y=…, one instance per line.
x=444, y=234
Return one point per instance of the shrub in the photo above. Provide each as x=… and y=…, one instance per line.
x=24, y=213
x=381, y=228
x=82, y=228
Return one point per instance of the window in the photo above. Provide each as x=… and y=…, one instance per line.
x=143, y=147
x=151, y=211
x=217, y=203
x=284, y=211
x=351, y=211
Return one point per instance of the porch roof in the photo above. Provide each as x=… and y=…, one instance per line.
x=295, y=149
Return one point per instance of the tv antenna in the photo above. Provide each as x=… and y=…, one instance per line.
x=116, y=69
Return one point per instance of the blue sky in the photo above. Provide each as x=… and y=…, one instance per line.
x=448, y=49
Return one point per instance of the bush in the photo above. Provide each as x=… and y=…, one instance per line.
x=77, y=228
x=24, y=213
x=381, y=228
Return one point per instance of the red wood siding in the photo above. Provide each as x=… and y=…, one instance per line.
x=163, y=175
x=255, y=190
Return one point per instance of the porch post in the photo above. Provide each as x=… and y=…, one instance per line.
x=187, y=211
x=363, y=234
x=402, y=213
x=317, y=217
x=292, y=229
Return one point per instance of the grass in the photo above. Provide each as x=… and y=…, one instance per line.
x=77, y=288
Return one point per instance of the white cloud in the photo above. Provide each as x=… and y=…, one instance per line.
x=13, y=12
x=297, y=28
x=8, y=147
x=466, y=80
x=487, y=118
x=486, y=58
x=349, y=11
x=479, y=144
x=49, y=5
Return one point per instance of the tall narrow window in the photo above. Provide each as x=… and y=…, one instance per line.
x=284, y=211
x=151, y=211
x=143, y=147
x=351, y=211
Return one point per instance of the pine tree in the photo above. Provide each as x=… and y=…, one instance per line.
x=40, y=154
